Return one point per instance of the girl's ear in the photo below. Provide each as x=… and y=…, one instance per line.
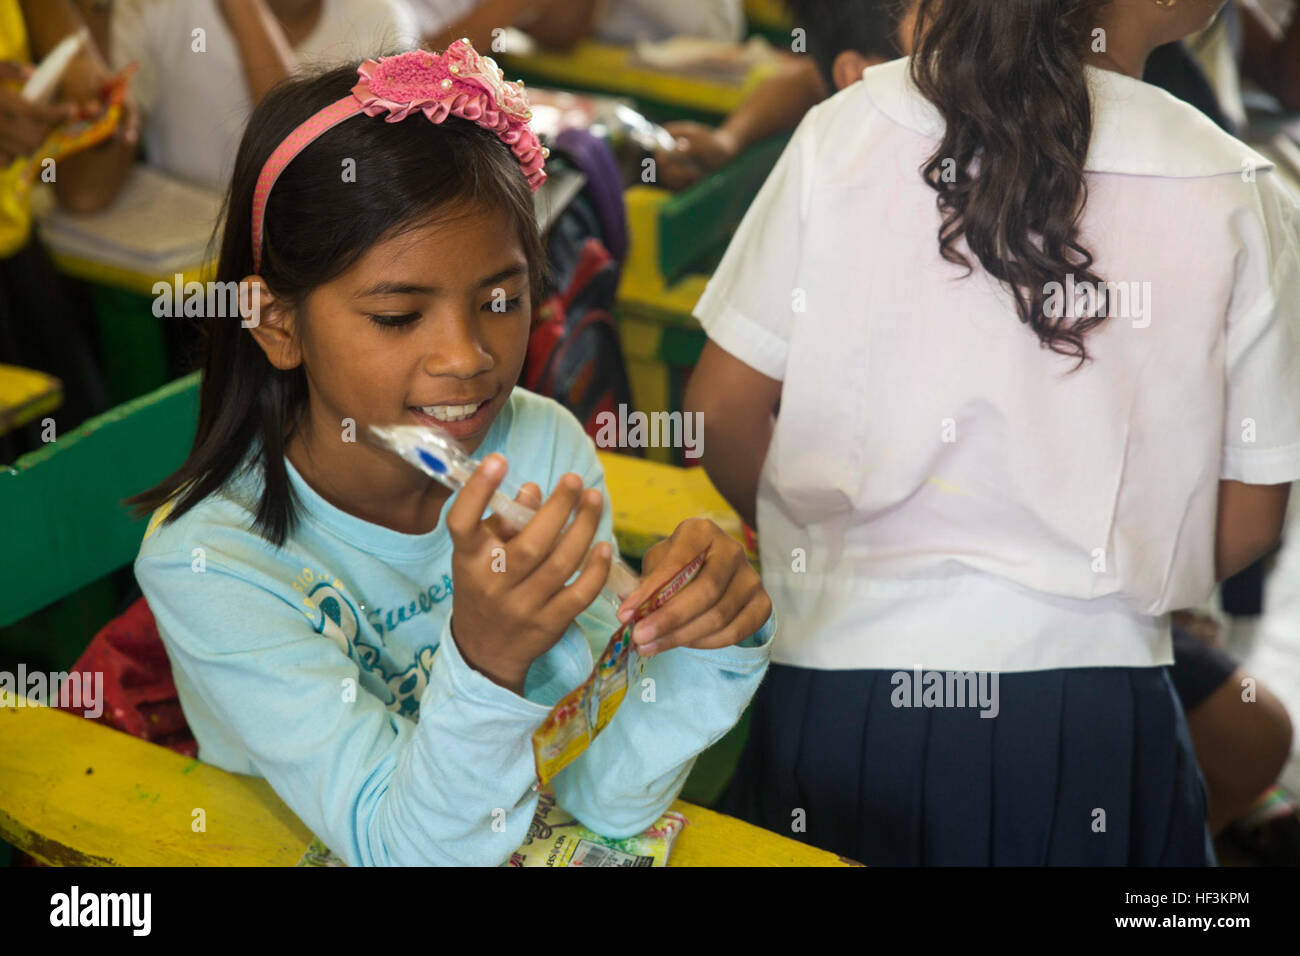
x=271, y=323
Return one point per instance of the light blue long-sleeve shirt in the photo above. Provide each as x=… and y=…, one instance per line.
x=328, y=667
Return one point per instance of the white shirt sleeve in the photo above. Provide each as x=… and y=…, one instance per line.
x=358, y=29
x=404, y=23
x=129, y=42
x=437, y=15
x=627, y=21
x=750, y=303
x=1262, y=428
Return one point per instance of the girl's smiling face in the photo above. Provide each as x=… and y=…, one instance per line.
x=429, y=326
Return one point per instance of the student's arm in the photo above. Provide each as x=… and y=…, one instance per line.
x=263, y=48
x=1273, y=64
x=749, y=310
x=776, y=104
x=1250, y=524
x=736, y=404
x=88, y=181
x=683, y=702
x=558, y=23
x=376, y=787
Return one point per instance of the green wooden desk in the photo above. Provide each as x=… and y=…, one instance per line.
x=131, y=339
x=675, y=241
x=71, y=531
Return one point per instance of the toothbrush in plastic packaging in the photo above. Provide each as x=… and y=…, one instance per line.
x=445, y=460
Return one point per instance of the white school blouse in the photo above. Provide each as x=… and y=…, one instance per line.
x=939, y=492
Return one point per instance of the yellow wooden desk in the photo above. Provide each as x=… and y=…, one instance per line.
x=26, y=394
x=649, y=500
x=609, y=68
x=127, y=280
x=74, y=793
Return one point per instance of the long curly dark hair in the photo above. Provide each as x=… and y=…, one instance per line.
x=1008, y=78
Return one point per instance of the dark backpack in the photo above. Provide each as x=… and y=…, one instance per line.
x=574, y=354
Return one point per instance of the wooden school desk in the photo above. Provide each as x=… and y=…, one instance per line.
x=131, y=339
x=52, y=808
x=676, y=240
x=594, y=67
x=25, y=395
x=74, y=793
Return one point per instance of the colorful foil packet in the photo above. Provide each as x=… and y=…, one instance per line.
x=584, y=712
x=555, y=838
x=80, y=135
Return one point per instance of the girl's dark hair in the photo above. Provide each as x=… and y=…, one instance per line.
x=1008, y=78
x=318, y=223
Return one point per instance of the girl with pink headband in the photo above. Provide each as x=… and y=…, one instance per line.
x=366, y=641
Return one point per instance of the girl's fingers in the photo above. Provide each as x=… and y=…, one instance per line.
x=695, y=599
x=751, y=619
x=658, y=565
x=567, y=555
x=578, y=596
x=466, y=512
x=530, y=496
x=708, y=622
x=534, y=543
x=662, y=562
x=13, y=70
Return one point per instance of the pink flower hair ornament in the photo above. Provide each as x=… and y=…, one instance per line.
x=457, y=82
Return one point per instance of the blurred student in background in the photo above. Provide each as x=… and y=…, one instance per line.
x=553, y=23
x=843, y=38
x=1263, y=38
x=627, y=21
x=204, y=65
x=39, y=314
x=559, y=24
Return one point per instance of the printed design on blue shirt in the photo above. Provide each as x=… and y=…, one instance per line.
x=424, y=602
x=334, y=616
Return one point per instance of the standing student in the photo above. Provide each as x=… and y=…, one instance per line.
x=40, y=311
x=557, y=24
x=366, y=641
x=204, y=65
x=970, y=477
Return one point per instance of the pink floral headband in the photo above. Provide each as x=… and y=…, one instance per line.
x=458, y=82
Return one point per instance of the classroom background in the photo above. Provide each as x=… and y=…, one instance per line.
x=100, y=252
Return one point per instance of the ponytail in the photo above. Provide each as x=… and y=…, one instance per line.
x=1008, y=78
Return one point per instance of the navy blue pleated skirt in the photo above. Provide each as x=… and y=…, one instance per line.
x=1089, y=766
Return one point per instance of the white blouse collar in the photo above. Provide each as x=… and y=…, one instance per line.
x=1138, y=129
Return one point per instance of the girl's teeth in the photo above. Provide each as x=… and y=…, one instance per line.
x=450, y=413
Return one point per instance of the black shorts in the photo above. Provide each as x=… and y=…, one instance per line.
x=1198, y=669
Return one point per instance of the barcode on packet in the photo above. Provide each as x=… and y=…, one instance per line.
x=593, y=854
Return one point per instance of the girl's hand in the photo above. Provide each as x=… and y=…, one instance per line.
x=723, y=605
x=24, y=125
x=510, y=604
x=700, y=150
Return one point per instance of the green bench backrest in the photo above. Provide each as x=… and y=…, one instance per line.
x=60, y=508
x=696, y=225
